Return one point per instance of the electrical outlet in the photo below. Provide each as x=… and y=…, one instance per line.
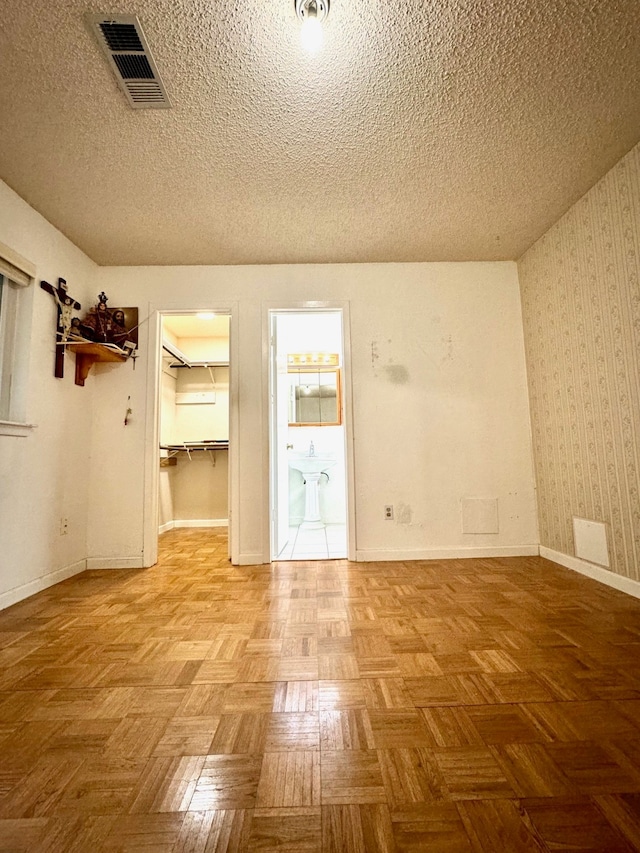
x=64, y=526
x=388, y=512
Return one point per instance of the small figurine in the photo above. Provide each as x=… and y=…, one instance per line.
x=75, y=333
x=66, y=305
x=98, y=324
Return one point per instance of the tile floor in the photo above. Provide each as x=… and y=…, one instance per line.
x=326, y=543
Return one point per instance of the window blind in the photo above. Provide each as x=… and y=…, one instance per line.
x=17, y=269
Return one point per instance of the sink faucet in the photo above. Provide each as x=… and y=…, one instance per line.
x=312, y=450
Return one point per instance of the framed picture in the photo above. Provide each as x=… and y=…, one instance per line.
x=129, y=318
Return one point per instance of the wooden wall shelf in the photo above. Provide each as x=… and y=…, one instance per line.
x=88, y=354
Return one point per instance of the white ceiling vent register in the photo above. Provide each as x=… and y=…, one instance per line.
x=128, y=53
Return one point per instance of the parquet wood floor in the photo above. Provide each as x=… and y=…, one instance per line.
x=473, y=705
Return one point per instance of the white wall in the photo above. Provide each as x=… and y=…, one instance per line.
x=439, y=400
x=203, y=421
x=441, y=403
x=200, y=488
x=45, y=475
x=166, y=491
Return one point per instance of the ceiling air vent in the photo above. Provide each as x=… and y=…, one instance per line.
x=125, y=46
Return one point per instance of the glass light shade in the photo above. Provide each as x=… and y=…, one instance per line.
x=311, y=36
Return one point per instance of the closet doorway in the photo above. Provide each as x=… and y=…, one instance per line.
x=193, y=484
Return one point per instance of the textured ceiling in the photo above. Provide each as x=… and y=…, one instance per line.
x=448, y=130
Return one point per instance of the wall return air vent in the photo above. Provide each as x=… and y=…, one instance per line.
x=128, y=53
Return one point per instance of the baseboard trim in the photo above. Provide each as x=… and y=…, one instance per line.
x=250, y=560
x=193, y=522
x=19, y=593
x=596, y=573
x=96, y=563
x=448, y=553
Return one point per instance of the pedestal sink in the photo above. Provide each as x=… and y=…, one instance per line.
x=311, y=468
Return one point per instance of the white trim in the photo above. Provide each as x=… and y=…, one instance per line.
x=96, y=563
x=596, y=573
x=152, y=426
x=448, y=553
x=151, y=475
x=349, y=431
x=19, y=593
x=193, y=522
x=233, y=460
x=15, y=351
x=16, y=268
x=265, y=419
x=15, y=428
x=251, y=560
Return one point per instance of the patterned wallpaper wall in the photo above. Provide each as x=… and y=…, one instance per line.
x=580, y=288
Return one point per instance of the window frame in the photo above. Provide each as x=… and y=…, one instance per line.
x=17, y=275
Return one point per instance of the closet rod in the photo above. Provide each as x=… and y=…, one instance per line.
x=202, y=364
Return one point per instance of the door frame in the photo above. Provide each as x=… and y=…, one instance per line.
x=279, y=483
x=308, y=307
x=151, y=477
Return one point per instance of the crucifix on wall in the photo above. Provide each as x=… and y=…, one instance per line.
x=65, y=304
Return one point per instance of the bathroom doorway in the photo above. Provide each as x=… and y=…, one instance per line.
x=308, y=429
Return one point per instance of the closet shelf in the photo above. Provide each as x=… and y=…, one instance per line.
x=200, y=364
x=181, y=360
x=190, y=447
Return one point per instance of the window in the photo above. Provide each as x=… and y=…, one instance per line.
x=8, y=313
x=16, y=276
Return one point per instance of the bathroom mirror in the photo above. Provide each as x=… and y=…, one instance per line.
x=315, y=397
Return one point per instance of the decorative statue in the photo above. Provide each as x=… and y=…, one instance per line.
x=98, y=324
x=105, y=326
x=65, y=305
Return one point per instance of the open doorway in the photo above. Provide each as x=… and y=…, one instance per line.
x=308, y=460
x=193, y=484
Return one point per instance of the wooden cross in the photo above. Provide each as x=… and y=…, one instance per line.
x=65, y=304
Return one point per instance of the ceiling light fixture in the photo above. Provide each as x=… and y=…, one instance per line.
x=312, y=13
